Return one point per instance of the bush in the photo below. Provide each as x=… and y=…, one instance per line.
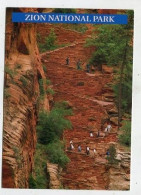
x=10, y=72
x=48, y=82
x=6, y=93
x=24, y=81
x=41, y=87
x=125, y=137
x=50, y=91
x=32, y=182
x=60, y=10
x=63, y=107
x=49, y=42
x=45, y=68
x=51, y=125
x=40, y=181
x=56, y=154
x=111, y=158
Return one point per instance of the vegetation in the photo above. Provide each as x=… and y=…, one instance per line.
x=51, y=125
x=49, y=42
x=112, y=155
x=56, y=154
x=48, y=82
x=24, y=81
x=10, y=72
x=41, y=87
x=6, y=93
x=18, y=156
x=65, y=11
x=40, y=180
x=82, y=28
x=125, y=137
x=45, y=68
x=114, y=47
x=49, y=132
x=32, y=182
x=50, y=91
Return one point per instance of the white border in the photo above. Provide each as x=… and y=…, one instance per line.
x=136, y=117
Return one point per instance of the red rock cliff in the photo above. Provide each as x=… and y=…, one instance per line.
x=22, y=72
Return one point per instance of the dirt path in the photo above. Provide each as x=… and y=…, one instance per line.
x=85, y=94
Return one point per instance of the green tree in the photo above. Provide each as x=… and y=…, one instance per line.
x=125, y=137
x=111, y=158
x=51, y=125
x=56, y=154
x=113, y=46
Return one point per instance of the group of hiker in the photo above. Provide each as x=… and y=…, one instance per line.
x=79, y=149
x=79, y=64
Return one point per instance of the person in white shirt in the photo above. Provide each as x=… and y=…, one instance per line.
x=87, y=150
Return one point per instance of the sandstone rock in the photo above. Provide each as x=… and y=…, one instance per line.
x=112, y=111
x=53, y=171
x=114, y=120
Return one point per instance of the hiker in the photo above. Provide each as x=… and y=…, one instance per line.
x=71, y=142
x=78, y=65
x=94, y=151
x=71, y=146
x=109, y=127
x=106, y=130
x=79, y=148
x=87, y=150
x=67, y=61
x=107, y=153
x=91, y=134
x=88, y=68
x=98, y=133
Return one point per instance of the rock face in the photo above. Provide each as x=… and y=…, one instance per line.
x=21, y=91
x=119, y=176
x=53, y=171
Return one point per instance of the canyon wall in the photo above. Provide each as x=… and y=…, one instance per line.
x=23, y=70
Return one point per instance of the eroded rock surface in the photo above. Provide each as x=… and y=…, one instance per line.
x=22, y=73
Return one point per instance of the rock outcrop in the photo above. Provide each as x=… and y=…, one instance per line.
x=54, y=180
x=21, y=94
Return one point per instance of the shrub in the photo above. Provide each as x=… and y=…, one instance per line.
x=51, y=125
x=48, y=82
x=49, y=42
x=6, y=93
x=63, y=107
x=125, y=137
x=40, y=160
x=111, y=158
x=45, y=68
x=24, y=81
x=41, y=87
x=50, y=91
x=10, y=72
x=61, y=10
x=32, y=182
x=56, y=153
